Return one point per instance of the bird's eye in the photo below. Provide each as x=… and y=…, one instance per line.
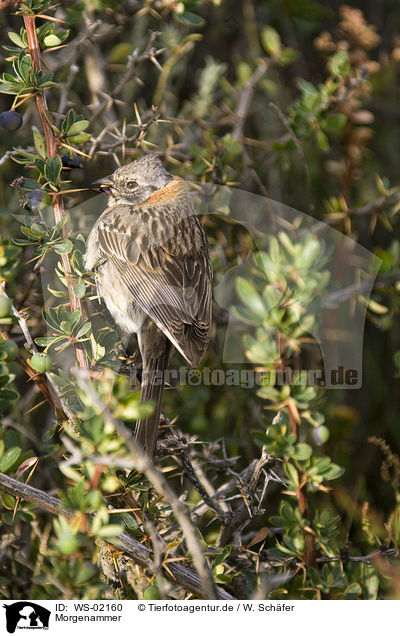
x=131, y=185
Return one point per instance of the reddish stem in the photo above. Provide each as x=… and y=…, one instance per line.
x=309, y=539
x=52, y=144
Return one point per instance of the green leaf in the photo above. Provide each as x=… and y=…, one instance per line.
x=281, y=550
x=340, y=64
x=271, y=41
x=191, y=19
x=44, y=342
x=302, y=451
x=112, y=530
x=377, y=308
x=68, y=121
x=292, y=474
x=80, y=288
x=8, y=501
x=37, y=230
x=336, y=121
x=288, y=55
x=80, y=139
x=9, y=88
x=307, y=87
x=16, y=39
x=53, y=169
x=224, y=555
x=353, y=591
x=64, y=246
x=131, y=522
x=9, y=395
x=84, y=330
x=24, y=66
x=322, y=140
x=9, y=458
x=52, y=40
x=245, y=315
x=40, y=165
x=39, y=144
x=77, y=127
x=250, y=297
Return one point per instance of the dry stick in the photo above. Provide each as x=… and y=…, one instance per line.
x=190, y=473
x=62, y=105
x=376, y=206
x=377, y=554
x=369, y=209
x=246, y=97
x=51, y=145
x=342, y=295
x=247, y=489
x=144, y=465
x=134, y=60
x=176, y=572
x=227, y=488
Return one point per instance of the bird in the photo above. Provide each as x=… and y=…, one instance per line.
x=154, y=274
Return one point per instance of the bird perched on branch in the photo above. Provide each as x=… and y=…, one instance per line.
x=154, y=272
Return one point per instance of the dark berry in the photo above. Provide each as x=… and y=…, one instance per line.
x=10, y=120
x=71, y=162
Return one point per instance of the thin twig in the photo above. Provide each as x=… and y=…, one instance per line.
x=296, y=142
x=190, y=473
x=246, y=97
x=64, y=90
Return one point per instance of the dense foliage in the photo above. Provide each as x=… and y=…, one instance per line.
x=293, y=489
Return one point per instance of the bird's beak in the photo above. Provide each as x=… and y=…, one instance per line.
x=103, y=185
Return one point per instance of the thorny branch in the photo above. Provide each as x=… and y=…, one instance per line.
x=51, y=143
x=176, y=572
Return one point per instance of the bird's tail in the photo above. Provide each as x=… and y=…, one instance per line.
x=146, y=430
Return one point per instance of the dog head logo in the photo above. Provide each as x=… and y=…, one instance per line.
x=26, y=615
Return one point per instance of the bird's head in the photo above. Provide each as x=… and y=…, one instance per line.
x=136, y=182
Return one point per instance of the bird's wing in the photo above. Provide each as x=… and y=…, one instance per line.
x=170, y=282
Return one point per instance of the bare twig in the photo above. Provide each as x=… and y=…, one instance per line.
x=246, y=97
x=369, y=209
x=134, y=60
x=343, y=295
x=190, y=472
x=150, y=53
x=377, y=206
x=64, y=90
x=247, y=488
